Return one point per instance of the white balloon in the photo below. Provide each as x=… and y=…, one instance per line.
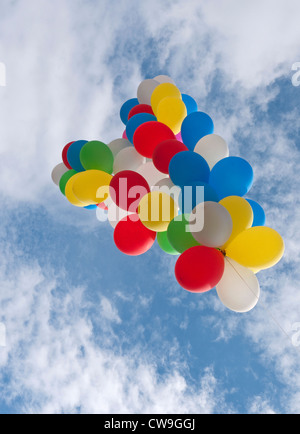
x=145, y=91
x=211, y=224
x=128, y=159
x=164, y=79
x=58, y=172
x=239, y=288
x=115, y=214
x=212, y=148
x=151, y=174
x=117, y=145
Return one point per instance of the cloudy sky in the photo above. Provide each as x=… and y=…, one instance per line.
x=89, y=330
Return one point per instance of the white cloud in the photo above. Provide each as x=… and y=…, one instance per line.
x=54, y=364
x=108, y=311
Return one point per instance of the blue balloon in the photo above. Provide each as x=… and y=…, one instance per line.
x=259, y=217
x=126, y=107
x=190, y=197
x=91, y=207
x=73, y=155
x=190, y=103
x=195, y=126
x=188, y=168
x=137, y=121
x=232, y=176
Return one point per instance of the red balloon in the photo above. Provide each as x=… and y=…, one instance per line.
x=102, y=206
x=164, y=152
x=64, y=155
x=132, y=237
x=127, y=189
x=140, y=108
x=124, y=135
x=200, y=268
x=148, y=135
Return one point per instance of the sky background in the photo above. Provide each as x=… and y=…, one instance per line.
x=89, y=330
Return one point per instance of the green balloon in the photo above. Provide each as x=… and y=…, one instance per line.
x=179, y=239
x=65, y=178
x=164, y=243
x=97, y=155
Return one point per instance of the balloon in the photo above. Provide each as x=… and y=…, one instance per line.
x=259, y=248
x=199, y=269
x=164, y=243
x=72, y=198
x=145, y=91
x=141, y=108
x=188, y=168
x=96, y=155
x=150, y=173
x=238, y=289
x=116, y=214
x=210, y=224
x=127, y=159
x=156, y=210
x=171, y=111
x=135, y=122
x=212, y=148
x=195, y=126
x=164, y=152
x=178, y=234
x=124, y=136
x=103, y=206
x=149, y=135
x=178, y=137
x=166, y=183
x=132, y=237
x=64, y=179
x=125, y=109
x=64, y=155
x=164, y=79
x=127, y=188
x=232, y=176
x=58, y=172
x=190, y=103
x=117, y=145
x=259, y=217
x=241, y=215
x=162, y=91
x=91, y=207
x=190, y=196
x=92, y=186
x=73, y=155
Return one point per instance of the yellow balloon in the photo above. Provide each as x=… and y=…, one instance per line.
x=171, y=111
x=257, y=248
x=70, y=194
x=162, y=91
x=157, y=210
x=241, y=214
x=92, y=186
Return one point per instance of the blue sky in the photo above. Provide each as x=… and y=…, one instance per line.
x=89, y=330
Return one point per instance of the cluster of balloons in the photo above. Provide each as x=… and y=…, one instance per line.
x=171, y=178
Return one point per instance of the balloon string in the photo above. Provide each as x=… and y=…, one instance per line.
x=263, y=305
